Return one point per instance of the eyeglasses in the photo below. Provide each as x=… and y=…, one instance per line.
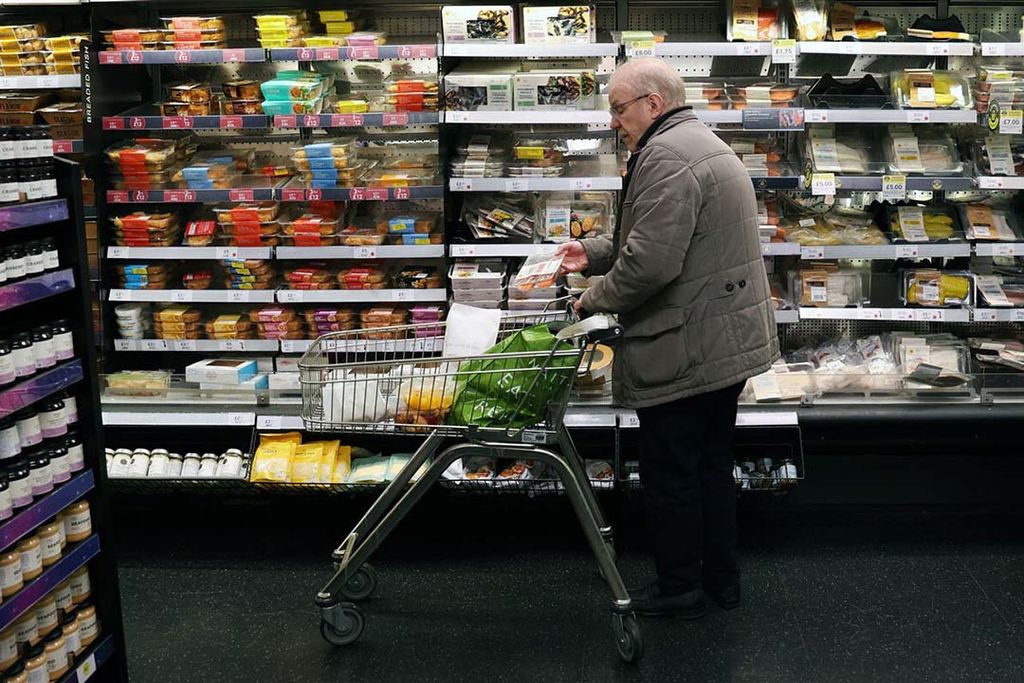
x=620, y=109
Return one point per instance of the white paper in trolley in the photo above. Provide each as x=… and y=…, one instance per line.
x=469, y=331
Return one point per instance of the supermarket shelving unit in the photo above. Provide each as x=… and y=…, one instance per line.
x=64, y=294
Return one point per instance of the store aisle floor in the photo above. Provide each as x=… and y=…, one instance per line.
x=504, y=590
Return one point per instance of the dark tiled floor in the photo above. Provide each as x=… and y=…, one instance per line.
x=504, y=590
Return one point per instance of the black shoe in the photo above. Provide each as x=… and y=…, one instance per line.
x=727, y=598
x=648, y=601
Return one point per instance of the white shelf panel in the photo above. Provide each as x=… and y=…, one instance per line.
x=424, y=345
x=786, y=317
x=499, y=250
x=1001, y=315
x=528, y=184
x=780, y=249
x=719, y=116
x=713, y=49
x=591, y=417
x=886, y=251
x=276, y=422
x=1002, y=49
x=144, y=418
x=999, y=248
x=948, y=315
x=198, y=296
x=40, y=82
x=744, y=418
x=906, y=49
x=373, y=252
x=532, y=50
x=1000, y=183
x=890, y=116
x=354, y=296
x=189, y=253
x=527, y=117
x=193, y=345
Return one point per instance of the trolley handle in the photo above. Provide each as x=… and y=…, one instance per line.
x=595, y=329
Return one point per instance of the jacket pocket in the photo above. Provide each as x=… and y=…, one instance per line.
x=654, y=350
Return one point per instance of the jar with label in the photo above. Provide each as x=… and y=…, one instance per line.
x=26, y=631
x=208, y=465
x=56, y=649
x=81, y=589
x=60, y=464
x=40, y=475
x=6, y=144
x=31, y=558
x=121, y=464
x=174, y=463
x=19, y=143
x=35, y=665
x=48, y=182
x=70, y=405
x=140, y=463
x=30, y=431
x=6, y=506
x=10, y=441
x=77, y=521
x=158, y=459
x=33, y=259
x=42, y=347
x=46, y=614
x=230, y=465
x=59, y=521
x=63, y=342
x=43, y=143
x=76, y=453
x=24, y=358
x=88, y=626
x=19, y=484
x=11, y=579
x=7, y=371
x=53, y=419
x=49, y=542
x=27, y=175
x=16, y=674
x=190, y=466
x=17, y=263
x=72, y=642
x=62, y=594
x=8, y=184
x=8, y=649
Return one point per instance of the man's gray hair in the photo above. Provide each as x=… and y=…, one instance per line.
x=652, y=75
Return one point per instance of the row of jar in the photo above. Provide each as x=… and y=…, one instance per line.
x=37, y=472
x=48, y=419
x=24, y=354
x=161, y=464
x=27, y=560
x=45, y=642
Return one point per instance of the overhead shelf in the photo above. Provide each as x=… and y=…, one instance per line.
x=890, y=116
x=422, y=345
x=147, y=120
x=384, y=251
x=886, y=48
x=886, y=251
x=521, y=51
x=532, y=184
x=196, y=345
x=197, y=296
x=1001, y=315
x=355, y=296
x=499, y=250
x=46, y=507
x=40, y=82
x=17, y=216
x=36, y=288
x=189, y=253
x=527, y=116
x=354, y=52
x=226, y=56
x=948, y=315
x=416, y=118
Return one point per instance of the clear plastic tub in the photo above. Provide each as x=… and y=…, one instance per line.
x=922, y=150
x=310, y=223
x=292, y=107
x=928, y=89
x=486, y=276
x=360, y=237
x=999, y=154
x=247, y=212
x=293, y=88
x=829, y=286
x=194, y=23
x=382, y=178
x=477, y=167
x=987, y=223
x=924, y=224
x=937, y=289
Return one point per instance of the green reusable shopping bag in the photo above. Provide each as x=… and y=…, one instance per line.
x=489, y=391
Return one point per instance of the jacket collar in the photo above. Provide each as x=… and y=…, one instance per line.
x=667, y=120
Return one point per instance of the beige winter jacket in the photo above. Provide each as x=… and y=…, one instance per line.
x=684, y=270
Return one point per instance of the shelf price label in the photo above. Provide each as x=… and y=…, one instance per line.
x=154, y=345
x=117, y=252
x=363, y=52
x=783, y=51
x=288, y=346
x=182, y=57
x=293, y=194
x=181, y=295
x=812, y=252
x=907, y=251
x=402, y=295
x=922, y=116
x=327, y=54
x=117, y=196
x=122, y=345
x=269, y=421
x=184, y=345
x=1011, y=122
x=86, y=669
x=400, y=193
x=136, y=122
x=119, y=295
x=241, y=195
x=640, y=48
x=240, y=419
x=823, y=184
x=285, y=121
x=113, y=123
x=179, y=196
x=225, y=252
x=377, y=194
x=233, y=56
x=238, y=296
x=894, y=188
x=461, y=185
x=629, y=420
x=903, y=314
x=581, y=183
x=1004, y=249
x=937, y=50
x=400, y=119
x=288, y=296
x=346, y=120
x=110, y=57
x=985, y=315
x=365, y=252
x=463, y=250
x=1017, y=315
x=816, y=116
x=178, y=122
x=231, y=122
x=518, y=185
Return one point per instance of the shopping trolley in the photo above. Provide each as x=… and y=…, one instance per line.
x=383, y=388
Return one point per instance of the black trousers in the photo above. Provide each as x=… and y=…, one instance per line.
x=686, y=469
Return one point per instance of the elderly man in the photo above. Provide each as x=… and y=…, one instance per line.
x=684, y=273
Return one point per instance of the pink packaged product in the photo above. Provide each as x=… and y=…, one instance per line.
x=427, y=314
x=271, y=314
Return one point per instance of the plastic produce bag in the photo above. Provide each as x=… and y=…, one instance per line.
x=489, y=392
x=352, y=398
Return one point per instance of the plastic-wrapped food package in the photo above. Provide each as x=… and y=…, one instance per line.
x=928, y=89
x=989, y=223
x=564, y=216
x=821, y=231
x=844, y=23
x=999, y=154
x=478, y=23
x=554, y=89
x=935, y=288
x=922, y=149
x=826, y=285
x=559, y=24
x=761, y=95
x=999, y=83
x=811, y=19
x=752, y=20
x=923, y=224
x=844, y=149
x=500, y=215
x=479, y=88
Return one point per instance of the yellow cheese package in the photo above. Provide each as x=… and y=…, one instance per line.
x=273, y=461
x=281, y=437
x=342, y=465
x=306, y=463
x=327, y=459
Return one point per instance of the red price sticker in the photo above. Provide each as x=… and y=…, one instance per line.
x=363, y=52
x=357, y=194
x=304, y=54
x=233, y=55
x=293, y=195
x=133, y=56
x=377, y=194
x=395, y=119
x=314, y=195
x=62, y=147
x=230, y=122
x=285, y=122
x=140, y=196
x=117, y=196
x=311, y=121
x=136, y=123
x=420, y=51
x=182, y=57
x=346, y=120
x=327, y=54
x=110, y=57
x=400, y=193
x=241, y=195
x=177, y=122
x=113, y=123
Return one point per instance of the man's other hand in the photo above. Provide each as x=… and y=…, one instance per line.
x=577, y=306
x=574, y=257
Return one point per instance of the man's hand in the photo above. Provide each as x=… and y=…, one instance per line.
x=577, y=305
x=574, y=257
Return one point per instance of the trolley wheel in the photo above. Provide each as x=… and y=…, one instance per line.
x=352, y=623
x=362, y=584
x=628, y=640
